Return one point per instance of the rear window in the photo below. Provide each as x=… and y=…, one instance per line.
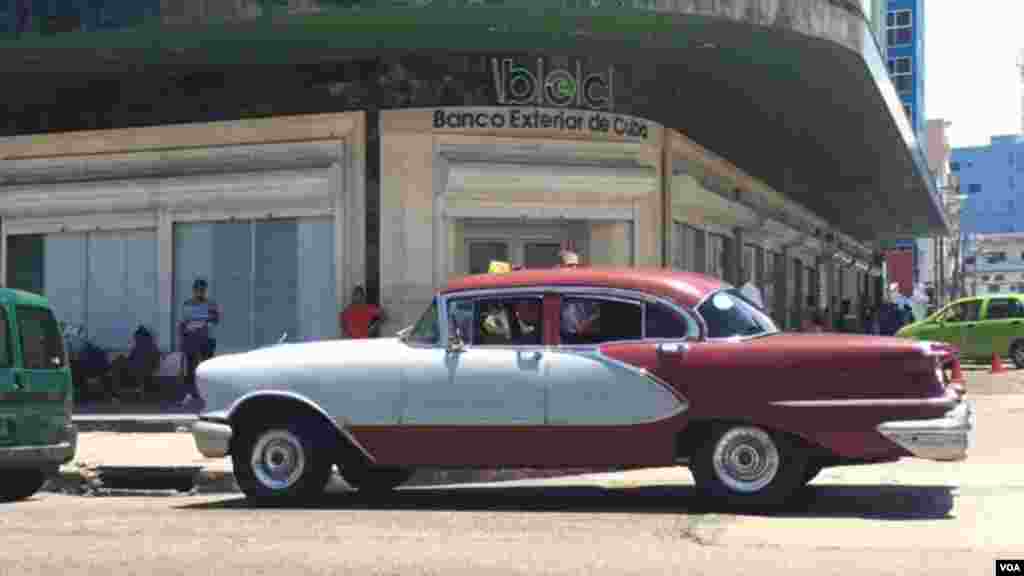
x=6, y=354
x=42, y=347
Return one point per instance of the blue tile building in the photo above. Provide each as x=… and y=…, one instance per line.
x=992, y=177
x=904, y=41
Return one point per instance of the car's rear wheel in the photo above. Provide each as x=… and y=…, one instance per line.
x=375, y=479
x=20, y=484
x=1017, y=354
x=746, y=465
x=282, y=461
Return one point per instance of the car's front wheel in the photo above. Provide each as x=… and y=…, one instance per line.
x=746, y=465
x=20, y=484
x=281, y=462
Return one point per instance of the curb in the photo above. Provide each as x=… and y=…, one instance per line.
x=90, y=482
x=133, y=423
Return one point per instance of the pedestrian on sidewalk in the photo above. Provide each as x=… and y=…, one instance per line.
x=199, y=315
x=361, y=319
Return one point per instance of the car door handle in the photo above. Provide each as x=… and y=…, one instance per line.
x=530, y=354
x=671, y=348
x=1015, y=322
x=970, y=325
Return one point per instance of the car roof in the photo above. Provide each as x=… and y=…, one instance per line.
x=23, y=298
x=687, y=288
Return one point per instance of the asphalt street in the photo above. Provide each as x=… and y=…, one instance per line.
x=910, y=517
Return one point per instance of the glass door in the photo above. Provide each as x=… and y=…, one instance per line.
x=541, y=254
x=482, y=252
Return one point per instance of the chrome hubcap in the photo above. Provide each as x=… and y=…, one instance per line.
x=278, y=460
x=746, y=459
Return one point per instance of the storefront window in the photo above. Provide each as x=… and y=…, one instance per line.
x=269, y=278
x=104, y=282
x=481, y=253
x=541, y=255
x=684, y=248
x=717, y=255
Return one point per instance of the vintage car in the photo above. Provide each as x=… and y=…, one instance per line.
x=571, y=368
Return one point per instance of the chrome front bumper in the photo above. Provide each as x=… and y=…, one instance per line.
x=41, y=455
x=212, y=437
x=944, y=439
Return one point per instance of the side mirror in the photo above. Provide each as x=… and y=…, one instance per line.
x=455, y=342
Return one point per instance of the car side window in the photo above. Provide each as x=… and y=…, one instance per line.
x=6, y=354
x=42, y=346
x=586, y=320
x=999, y=308
x=426, y=330
x=952, y=314
x=972, y=311
x=662, y=321
x=1016, y=308
x=501, y=321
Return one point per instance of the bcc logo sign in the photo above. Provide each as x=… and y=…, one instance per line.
x=517, y=85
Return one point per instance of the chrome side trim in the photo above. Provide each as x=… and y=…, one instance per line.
x=943, y=439
x=866, y=402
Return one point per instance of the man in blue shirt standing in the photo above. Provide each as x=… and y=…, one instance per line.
x=199, y=315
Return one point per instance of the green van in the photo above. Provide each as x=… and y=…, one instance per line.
x=978, y=325
x=36, y=433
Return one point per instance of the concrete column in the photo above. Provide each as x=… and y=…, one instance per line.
x=165, y=281
x=3, y=254
x=782, y=301
x=735, y=263
x=833, y=300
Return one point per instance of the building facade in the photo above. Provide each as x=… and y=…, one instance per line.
x=992, y=178
x=904, y=49
x=289, y=172
x=904, y=46
x=998, y=264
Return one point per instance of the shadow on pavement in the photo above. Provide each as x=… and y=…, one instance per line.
x=878, y=502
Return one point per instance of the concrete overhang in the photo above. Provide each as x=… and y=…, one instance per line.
x=795, y=92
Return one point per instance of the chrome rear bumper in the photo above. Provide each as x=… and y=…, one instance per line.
x=944, y=439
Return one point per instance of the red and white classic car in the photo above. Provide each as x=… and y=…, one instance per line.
x=572, y=368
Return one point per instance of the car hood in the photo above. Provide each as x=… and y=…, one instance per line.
x=307, y=368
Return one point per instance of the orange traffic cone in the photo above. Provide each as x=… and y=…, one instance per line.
x=997, y=364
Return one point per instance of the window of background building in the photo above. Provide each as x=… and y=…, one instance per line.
x=973, y=188
x=999, y=278
x=901, y=72
x=900, y=27
x=984, y=277
x=684, y=255
x=1011, y=182
x=717, y=245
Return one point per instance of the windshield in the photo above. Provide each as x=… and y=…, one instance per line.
x=426, y=330
x=728, y=314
